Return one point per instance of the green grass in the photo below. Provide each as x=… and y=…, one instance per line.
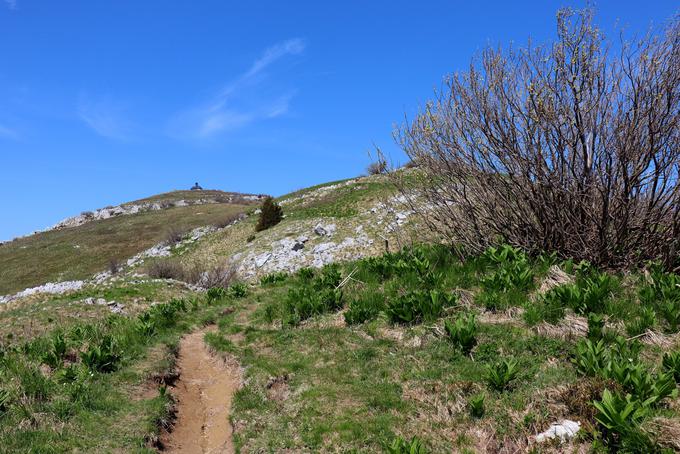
x=88, y=405
x=360, y=387
x=80, y=252
x=186, y=195
x=314, y=383
x=343, y=202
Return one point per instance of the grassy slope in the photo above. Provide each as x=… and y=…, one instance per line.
x=80, y=252
x=346, y=206
x=185, y=195
x=325, y=386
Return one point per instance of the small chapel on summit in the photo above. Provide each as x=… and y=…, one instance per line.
x=196, y=187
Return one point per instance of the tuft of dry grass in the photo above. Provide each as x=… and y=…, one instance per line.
x=666, y=431
x=571, y=327
x=555, y=277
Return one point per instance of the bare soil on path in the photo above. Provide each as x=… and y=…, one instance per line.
x=203, y=394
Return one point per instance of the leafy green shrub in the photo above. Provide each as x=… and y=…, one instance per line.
x=270, y=215
x=57, y=352
x=620, y=363
x=499, y=375
x=331, y=299
x=304, y=302
x=305, y=274
x=670, y=311
x=365, y=307
x=238, y=290
x=595, y=326
x=417, y=305
x=166, y=314
x=645, y=321
x=545, y=308
x=663, y=286
x=511, y=270
x=401, y=446
x=504, y=254
x=476, y=405
x=381, y=267
x=216, y=294
x=463, y=332
x=68, y=374
x=102, y=357
x=5, y=398
x=273, y=278
x=671, y=364
x=589, y=294
x=329, y=277
x=620, y=417
x=34, y=384
x=145, y=326
x=591, y=358
x=592, y=293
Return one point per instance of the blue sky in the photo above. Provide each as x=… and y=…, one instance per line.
x=106, y=102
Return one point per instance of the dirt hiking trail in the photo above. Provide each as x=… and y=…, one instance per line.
x=203, y=394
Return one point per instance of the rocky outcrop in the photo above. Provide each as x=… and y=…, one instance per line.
x=50, y=288
x=291, y=254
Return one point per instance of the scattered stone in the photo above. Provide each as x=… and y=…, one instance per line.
x=564, y=430
x=324, y=230
x=298, y=246
x=260, y=260
x=54, y=288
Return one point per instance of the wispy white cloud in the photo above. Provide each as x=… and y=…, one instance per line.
x=11, y=4
x=105, y=116
x=291, y=47
x=240, y=102
x=8, y=133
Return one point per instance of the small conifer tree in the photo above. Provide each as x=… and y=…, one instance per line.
x=270, y=215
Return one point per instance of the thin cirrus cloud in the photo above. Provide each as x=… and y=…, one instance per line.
x=239, y=103
x=11, y=4
x=105, y=116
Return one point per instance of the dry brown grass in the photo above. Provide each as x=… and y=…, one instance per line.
x=571, y=327
x=221, y=275
x=554, y=278
x=80, y=252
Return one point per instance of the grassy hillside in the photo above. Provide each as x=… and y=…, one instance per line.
x=192, y=196
x=79, y=252
x=425, y=345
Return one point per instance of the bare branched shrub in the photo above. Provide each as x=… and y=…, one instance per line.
x=217, y=276
x=166, y=269
x=565, y=147
x=377, y=168
x=220, y=276
x=174, y=235
x=114, y=266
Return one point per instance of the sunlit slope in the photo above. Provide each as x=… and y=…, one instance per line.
x=79, y=252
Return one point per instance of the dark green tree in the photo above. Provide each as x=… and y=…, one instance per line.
x=270, y=215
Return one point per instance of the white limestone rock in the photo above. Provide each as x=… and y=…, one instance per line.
x=564, y=430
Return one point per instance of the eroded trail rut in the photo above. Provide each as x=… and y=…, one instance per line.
x=203, y=393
